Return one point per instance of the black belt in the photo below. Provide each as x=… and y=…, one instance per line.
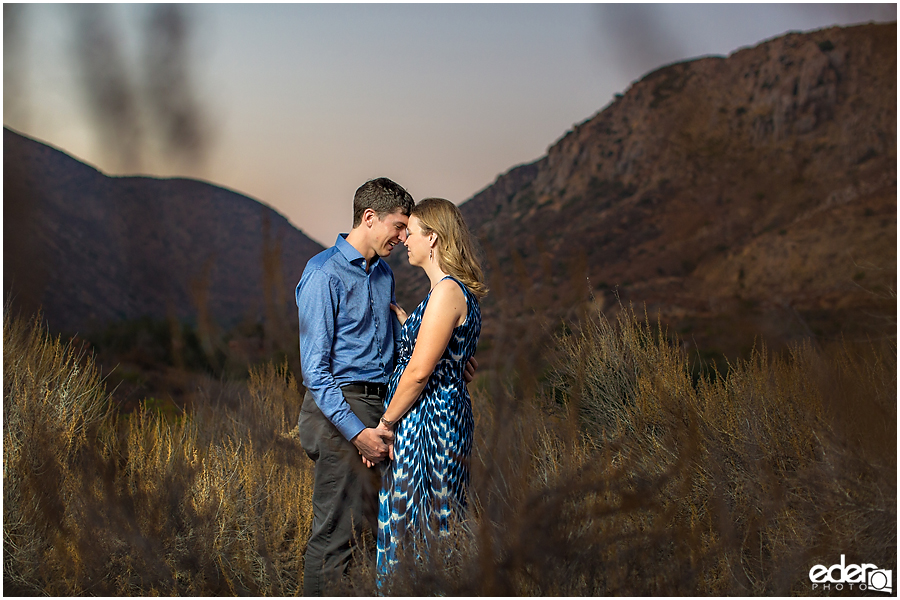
x=366, y=388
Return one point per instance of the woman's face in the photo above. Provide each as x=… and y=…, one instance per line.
x=418, y=245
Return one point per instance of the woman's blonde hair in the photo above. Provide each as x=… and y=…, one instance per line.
x=456, y=250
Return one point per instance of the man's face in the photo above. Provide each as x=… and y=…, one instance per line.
x=388, y=232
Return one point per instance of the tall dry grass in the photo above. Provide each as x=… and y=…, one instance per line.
x=629, y=476
x=623, y=475
x=215, y=503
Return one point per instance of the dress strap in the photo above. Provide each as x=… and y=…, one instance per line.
x=465, y=290
x=470, y=299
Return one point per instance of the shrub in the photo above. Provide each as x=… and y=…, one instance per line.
x=214, y=503
x=645, y=481
x=626, y=475
x=52, y=401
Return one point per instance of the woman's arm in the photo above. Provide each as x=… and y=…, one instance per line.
x=446, y=310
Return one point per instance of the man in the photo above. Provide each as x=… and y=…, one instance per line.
x=347, y=357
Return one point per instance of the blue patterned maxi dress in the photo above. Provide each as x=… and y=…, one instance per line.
x=428, y=478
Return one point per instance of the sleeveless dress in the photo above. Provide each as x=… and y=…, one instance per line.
x=428, y=478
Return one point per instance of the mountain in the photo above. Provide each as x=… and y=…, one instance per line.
x=93, y=250
x=739, y=199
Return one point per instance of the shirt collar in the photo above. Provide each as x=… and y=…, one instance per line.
x=352, y=254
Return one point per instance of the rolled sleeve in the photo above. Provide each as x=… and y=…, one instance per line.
x=317, y=303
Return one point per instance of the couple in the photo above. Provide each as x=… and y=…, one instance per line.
x=384, y=387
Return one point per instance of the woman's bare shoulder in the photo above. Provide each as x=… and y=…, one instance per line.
x=448, y=289
x=447, y=302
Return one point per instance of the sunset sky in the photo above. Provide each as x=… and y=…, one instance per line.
x=301, y=103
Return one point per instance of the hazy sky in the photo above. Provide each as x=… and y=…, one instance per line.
x=302, y=103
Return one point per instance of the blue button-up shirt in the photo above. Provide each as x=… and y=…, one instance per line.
x=346, y=329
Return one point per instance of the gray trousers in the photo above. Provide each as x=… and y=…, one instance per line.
x=345, y=492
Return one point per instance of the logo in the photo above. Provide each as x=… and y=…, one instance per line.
x=863, y=577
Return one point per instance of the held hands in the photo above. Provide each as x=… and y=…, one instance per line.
x=401, y=314
x=385, y=431
x=374, y=445
x=387, y=435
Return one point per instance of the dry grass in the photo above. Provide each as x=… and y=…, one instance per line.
x=216, y=503
x=624, y=475
x=629, y=476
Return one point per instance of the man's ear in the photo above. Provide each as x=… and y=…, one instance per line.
x=369, y=216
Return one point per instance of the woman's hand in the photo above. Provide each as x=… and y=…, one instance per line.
x=401, y=314
x=387, y=434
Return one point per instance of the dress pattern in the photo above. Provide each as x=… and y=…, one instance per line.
x=428, y=478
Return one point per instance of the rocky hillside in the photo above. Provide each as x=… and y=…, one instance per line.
x=744, y=198
x=94, y=250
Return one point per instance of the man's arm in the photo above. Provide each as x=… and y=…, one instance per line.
x=317, y=303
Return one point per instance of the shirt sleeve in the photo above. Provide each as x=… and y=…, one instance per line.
x=317, y=305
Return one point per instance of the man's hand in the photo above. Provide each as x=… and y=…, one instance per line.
x=372, y=445
x=469, y=372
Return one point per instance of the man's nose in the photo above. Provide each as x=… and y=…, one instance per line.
x=403, y=234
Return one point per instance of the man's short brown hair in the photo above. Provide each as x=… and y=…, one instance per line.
x=383, y=196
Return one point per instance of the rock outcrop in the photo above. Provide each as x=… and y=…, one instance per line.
x=744, y=198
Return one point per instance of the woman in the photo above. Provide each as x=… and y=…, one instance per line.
x=427, y=404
